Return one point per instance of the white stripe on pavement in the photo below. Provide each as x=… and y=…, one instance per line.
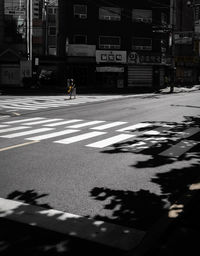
x=101, y=232
x=179, y=149
x=85, y=124
x=3, y=125
x=107, y=126
x=10, y=129
x=19, y=134
x=42, y=121
x=134, y=127
x=24, y=120
x=63, y=122
x=110, y=141
x=79, y=137
x=52, y=135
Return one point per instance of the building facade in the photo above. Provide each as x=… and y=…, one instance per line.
x=186, y=41
x=121, y=45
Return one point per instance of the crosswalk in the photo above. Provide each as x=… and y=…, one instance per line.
x=44, y=102
x=101, y=134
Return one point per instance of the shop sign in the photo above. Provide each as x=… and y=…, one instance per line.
x=139, y=58
x=81, y=50
x=110, y=56
x=110, y=69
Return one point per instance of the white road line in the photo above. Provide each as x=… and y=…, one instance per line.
x=3, y=125
x=179, y=149
x=63, y=122
x=19, y=134
x=101, y=232
x=134, y=127
x=24, y=120
x=52, y=135
x=79, y=137
x=42, y=121
x=189, y=132
x=85, y=124
x=10, y=129
x=110, y=141
x=107, y=126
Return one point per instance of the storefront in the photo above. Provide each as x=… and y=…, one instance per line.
x=145, y=71
x=110, y=69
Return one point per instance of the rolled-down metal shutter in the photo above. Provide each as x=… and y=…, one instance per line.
x=139, y=76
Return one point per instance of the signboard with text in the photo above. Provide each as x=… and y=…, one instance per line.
x=103, y=56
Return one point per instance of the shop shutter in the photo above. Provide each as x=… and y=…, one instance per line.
x=139, y=76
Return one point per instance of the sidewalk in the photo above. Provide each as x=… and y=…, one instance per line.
x=181, y=236
x=181, y=89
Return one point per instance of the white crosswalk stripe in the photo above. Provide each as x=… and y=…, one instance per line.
x=132, y=137
x=63, y=122
x=10, y=129
x=135, y=127
x=20, y=134
x=24, y=120
x=52, y=135
x=3, y=125
x=81, y=137
x=107, y=126
x=110, y=141
x=42, y=122
x=85, y=124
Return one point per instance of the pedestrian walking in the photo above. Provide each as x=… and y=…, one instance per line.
x=71, y=89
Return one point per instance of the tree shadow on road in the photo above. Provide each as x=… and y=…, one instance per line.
x=141, y=209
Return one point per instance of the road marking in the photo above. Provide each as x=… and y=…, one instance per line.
x=42, y=121
x=63, y=122
x=189, y=132
x=110, y=141
x=3, y=125
x=24, y=120
x=107, y=126
x=85, y=124
x=101, y=232
x=10, y=129
x=134, y=127
x=18, y=145
x=52, y=135
x=19, y=134
x=80, y=137
x=179, y=149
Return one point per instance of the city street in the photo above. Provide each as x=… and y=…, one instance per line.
x=124, y=160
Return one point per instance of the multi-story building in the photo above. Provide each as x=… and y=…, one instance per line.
x=186, y=41
x=114, y=44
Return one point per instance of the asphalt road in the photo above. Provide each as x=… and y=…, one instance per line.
x=131, y=183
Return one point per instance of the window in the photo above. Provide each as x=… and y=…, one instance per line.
x=109, y=13
x=140, y=15
x=80, y=39
x=140, y=43
x=80, y=11
x=52, y=31
x=109, y=42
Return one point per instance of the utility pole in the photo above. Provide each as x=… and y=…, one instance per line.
x=172, y=42
x=29, y=11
